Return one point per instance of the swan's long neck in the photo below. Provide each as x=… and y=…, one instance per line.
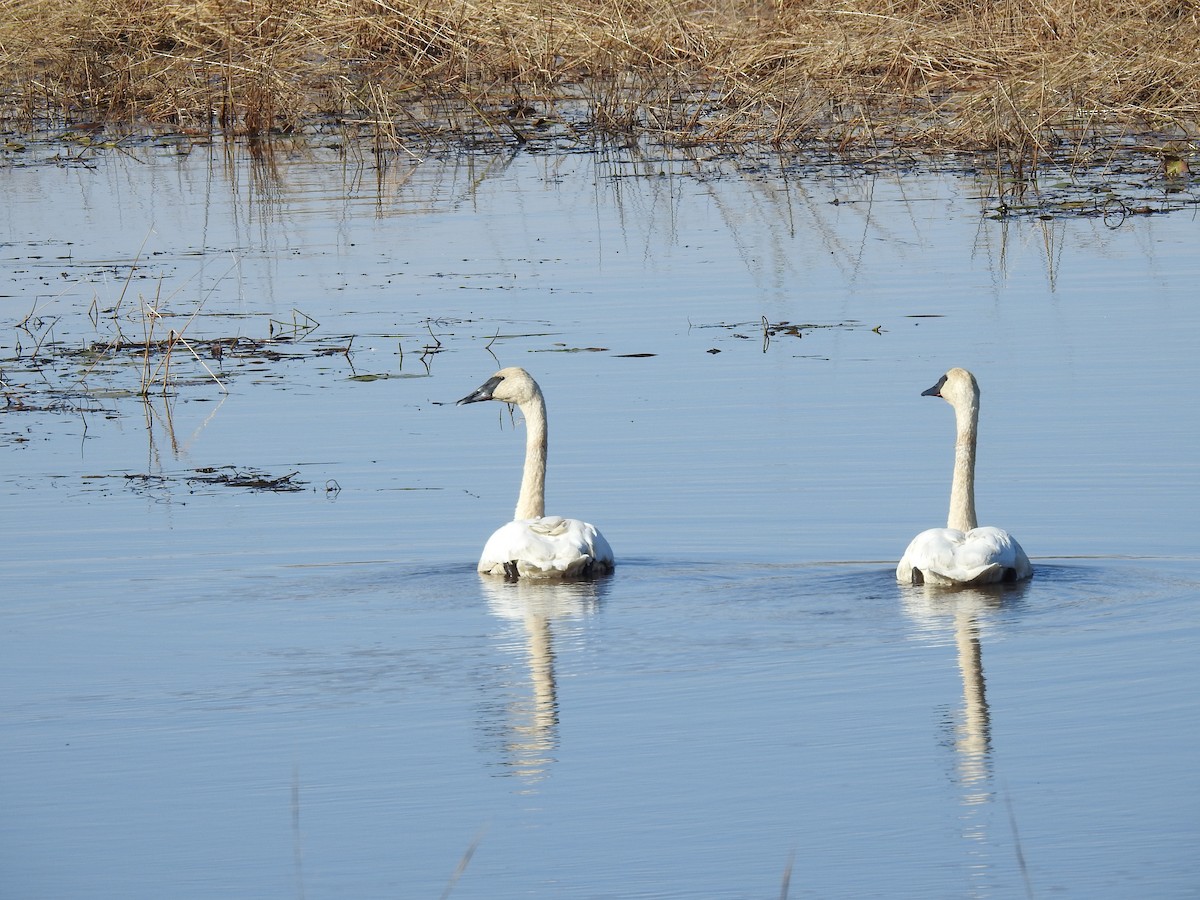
x=962, y=488
x=531, y=503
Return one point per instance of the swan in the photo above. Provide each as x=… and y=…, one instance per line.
x=962, y=553
x=535, y=545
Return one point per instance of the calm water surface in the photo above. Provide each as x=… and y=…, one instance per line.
x=219, y=691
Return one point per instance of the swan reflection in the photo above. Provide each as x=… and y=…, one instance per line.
x=935, y=613
x=534, y=612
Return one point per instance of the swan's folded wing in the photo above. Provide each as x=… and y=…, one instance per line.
x=988, y=546
x=929, y=555
x=551, y=546
x=948, y=556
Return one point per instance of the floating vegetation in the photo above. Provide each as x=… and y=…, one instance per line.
x=563, y=348
x=250, y=479
x=67, y=370
x=766, y=332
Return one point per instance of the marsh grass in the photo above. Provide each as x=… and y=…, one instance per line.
x=1026, y=80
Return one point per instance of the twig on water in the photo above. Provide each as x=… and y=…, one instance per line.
x=45, y=334
x=176, y=337
x=462, y=864
x=488, y=346
x=1012, y=823
x=787, y=876
x=24, y=323
x=149, y=315
x=437, y=344
x=196, y=356
x=428, y=351
x=133, y=267
x=298, y=328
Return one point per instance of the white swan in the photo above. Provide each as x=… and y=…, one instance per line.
x=962, y=553
x=534, y=544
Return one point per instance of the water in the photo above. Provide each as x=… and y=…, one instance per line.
x=214, y=690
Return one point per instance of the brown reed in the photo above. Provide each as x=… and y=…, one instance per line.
x=1028, y=76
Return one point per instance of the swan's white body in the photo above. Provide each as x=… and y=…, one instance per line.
x=535, y=545
x=962, y=553
x=950, y=556
x=549, y=546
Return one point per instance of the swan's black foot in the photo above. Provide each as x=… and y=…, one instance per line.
x=510, y=571
x=918, y=577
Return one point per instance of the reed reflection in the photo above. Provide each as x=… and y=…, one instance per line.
x=536, y=614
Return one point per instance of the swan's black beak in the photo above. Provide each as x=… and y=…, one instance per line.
x=483, y=392
x=936, y=390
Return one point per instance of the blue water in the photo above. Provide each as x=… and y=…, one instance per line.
x=214, y=691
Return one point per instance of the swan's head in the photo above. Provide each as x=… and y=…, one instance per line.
x=957, y=387
x=512, y=385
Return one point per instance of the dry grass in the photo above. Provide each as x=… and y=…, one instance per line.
x=930, y=74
